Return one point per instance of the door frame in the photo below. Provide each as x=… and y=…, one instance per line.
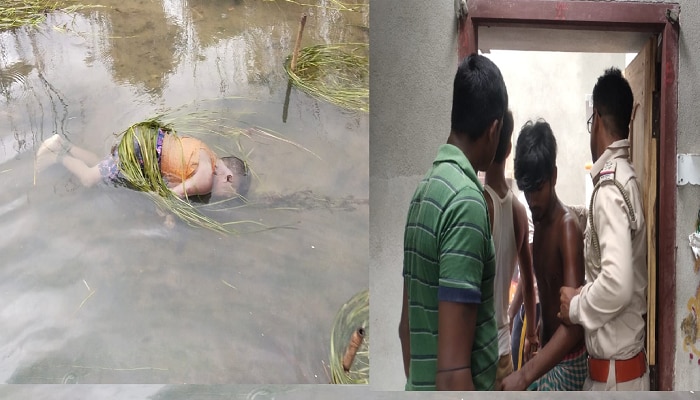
x=615, y=16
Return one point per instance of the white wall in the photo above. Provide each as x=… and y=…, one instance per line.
x=553, y=86
x=687, y=372
x=413, y=53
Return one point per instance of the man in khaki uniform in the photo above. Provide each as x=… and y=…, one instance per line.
x=612, y=304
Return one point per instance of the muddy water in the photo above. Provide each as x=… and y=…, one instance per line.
x=94, y=287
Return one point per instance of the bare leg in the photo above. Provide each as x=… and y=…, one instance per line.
x=88, y=175
x=86, y=156
x=56, y=145
x=82, y=163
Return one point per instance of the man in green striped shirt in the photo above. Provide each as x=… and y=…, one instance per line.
x=448, y=329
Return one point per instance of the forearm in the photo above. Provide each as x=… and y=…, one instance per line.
x=562, y=343
x=200, y=182
x=456, y=328
x=405, y=332
x=530, y=305
x=405, y=339
x=459, y=380
x=599, y=302
x=186, y=188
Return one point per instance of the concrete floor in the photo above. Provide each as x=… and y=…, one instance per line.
x=289, y=392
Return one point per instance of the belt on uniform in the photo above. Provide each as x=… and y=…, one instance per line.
x=625, y=370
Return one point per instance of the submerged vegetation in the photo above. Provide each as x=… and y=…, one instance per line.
x=334, y=72
x=337, y=73
x=146, y=176
x=142, y=171
x=18, y=13
x=351, y=335
x=333, y=5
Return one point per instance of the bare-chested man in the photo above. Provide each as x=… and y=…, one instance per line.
x=561, y=364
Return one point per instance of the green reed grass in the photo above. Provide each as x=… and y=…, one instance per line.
x=148, y=178
x=332, y=5
x=337, y=73
x=352, y=315
x=197, y=124
x=18, y=13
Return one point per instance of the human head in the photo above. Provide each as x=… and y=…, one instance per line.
x=535, y=166
x=612, y=110
x=504, y=141
x=479, y=100
x=231, y=178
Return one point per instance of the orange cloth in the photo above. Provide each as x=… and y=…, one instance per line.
x=180, y=157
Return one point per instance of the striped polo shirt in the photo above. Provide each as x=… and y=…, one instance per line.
x=449, y=256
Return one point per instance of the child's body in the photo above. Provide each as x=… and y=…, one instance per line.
x=187, y=165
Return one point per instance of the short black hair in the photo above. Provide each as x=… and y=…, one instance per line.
x=535, y=155
x=612, y=97
x=479, y=96
x=504, y=139
x=240, y=168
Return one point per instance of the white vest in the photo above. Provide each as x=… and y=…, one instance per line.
x=506, y=259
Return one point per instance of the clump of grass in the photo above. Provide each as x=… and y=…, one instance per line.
x=337, y=73
x=144, y=174
x=352, y=316
x=333, y=5
x=18, y=13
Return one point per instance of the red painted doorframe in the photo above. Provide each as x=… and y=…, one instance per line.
x=615, y=16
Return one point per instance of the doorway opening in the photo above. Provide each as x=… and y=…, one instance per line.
x=582, y=29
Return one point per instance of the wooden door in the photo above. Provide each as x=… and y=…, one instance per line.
x=641, y=75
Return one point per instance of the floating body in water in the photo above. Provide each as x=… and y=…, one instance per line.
x=152, y=157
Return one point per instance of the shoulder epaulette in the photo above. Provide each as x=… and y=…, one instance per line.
x=608, y=171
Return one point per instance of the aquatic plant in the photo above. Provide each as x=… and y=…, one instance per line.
x=332, y=5
x=144, y=174
x=337, y=73
x=17, y=13
x=349, y=357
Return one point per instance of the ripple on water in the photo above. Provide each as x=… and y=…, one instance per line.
x=15, y=74
x=70, y=378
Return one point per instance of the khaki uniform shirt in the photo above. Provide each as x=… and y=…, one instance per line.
x=612, y=303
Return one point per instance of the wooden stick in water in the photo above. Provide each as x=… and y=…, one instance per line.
x=297, y=45
x=351, y=351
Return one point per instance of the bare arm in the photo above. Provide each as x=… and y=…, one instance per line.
x=456, y=325
x=565, y=337
x=404, y=333
x=200, y=182
x=527, y=277
x=514, y=306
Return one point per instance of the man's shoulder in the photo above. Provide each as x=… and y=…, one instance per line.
x=617, y=182
x=617, y=169
x=571, y=222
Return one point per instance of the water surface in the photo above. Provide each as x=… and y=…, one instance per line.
x=94, y=287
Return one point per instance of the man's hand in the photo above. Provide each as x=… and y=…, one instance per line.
x=514, y=381
x=532, y=344
x=566, y=293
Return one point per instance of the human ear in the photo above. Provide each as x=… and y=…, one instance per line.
x=495, y=131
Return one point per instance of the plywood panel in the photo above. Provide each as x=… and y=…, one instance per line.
x=641, y=76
